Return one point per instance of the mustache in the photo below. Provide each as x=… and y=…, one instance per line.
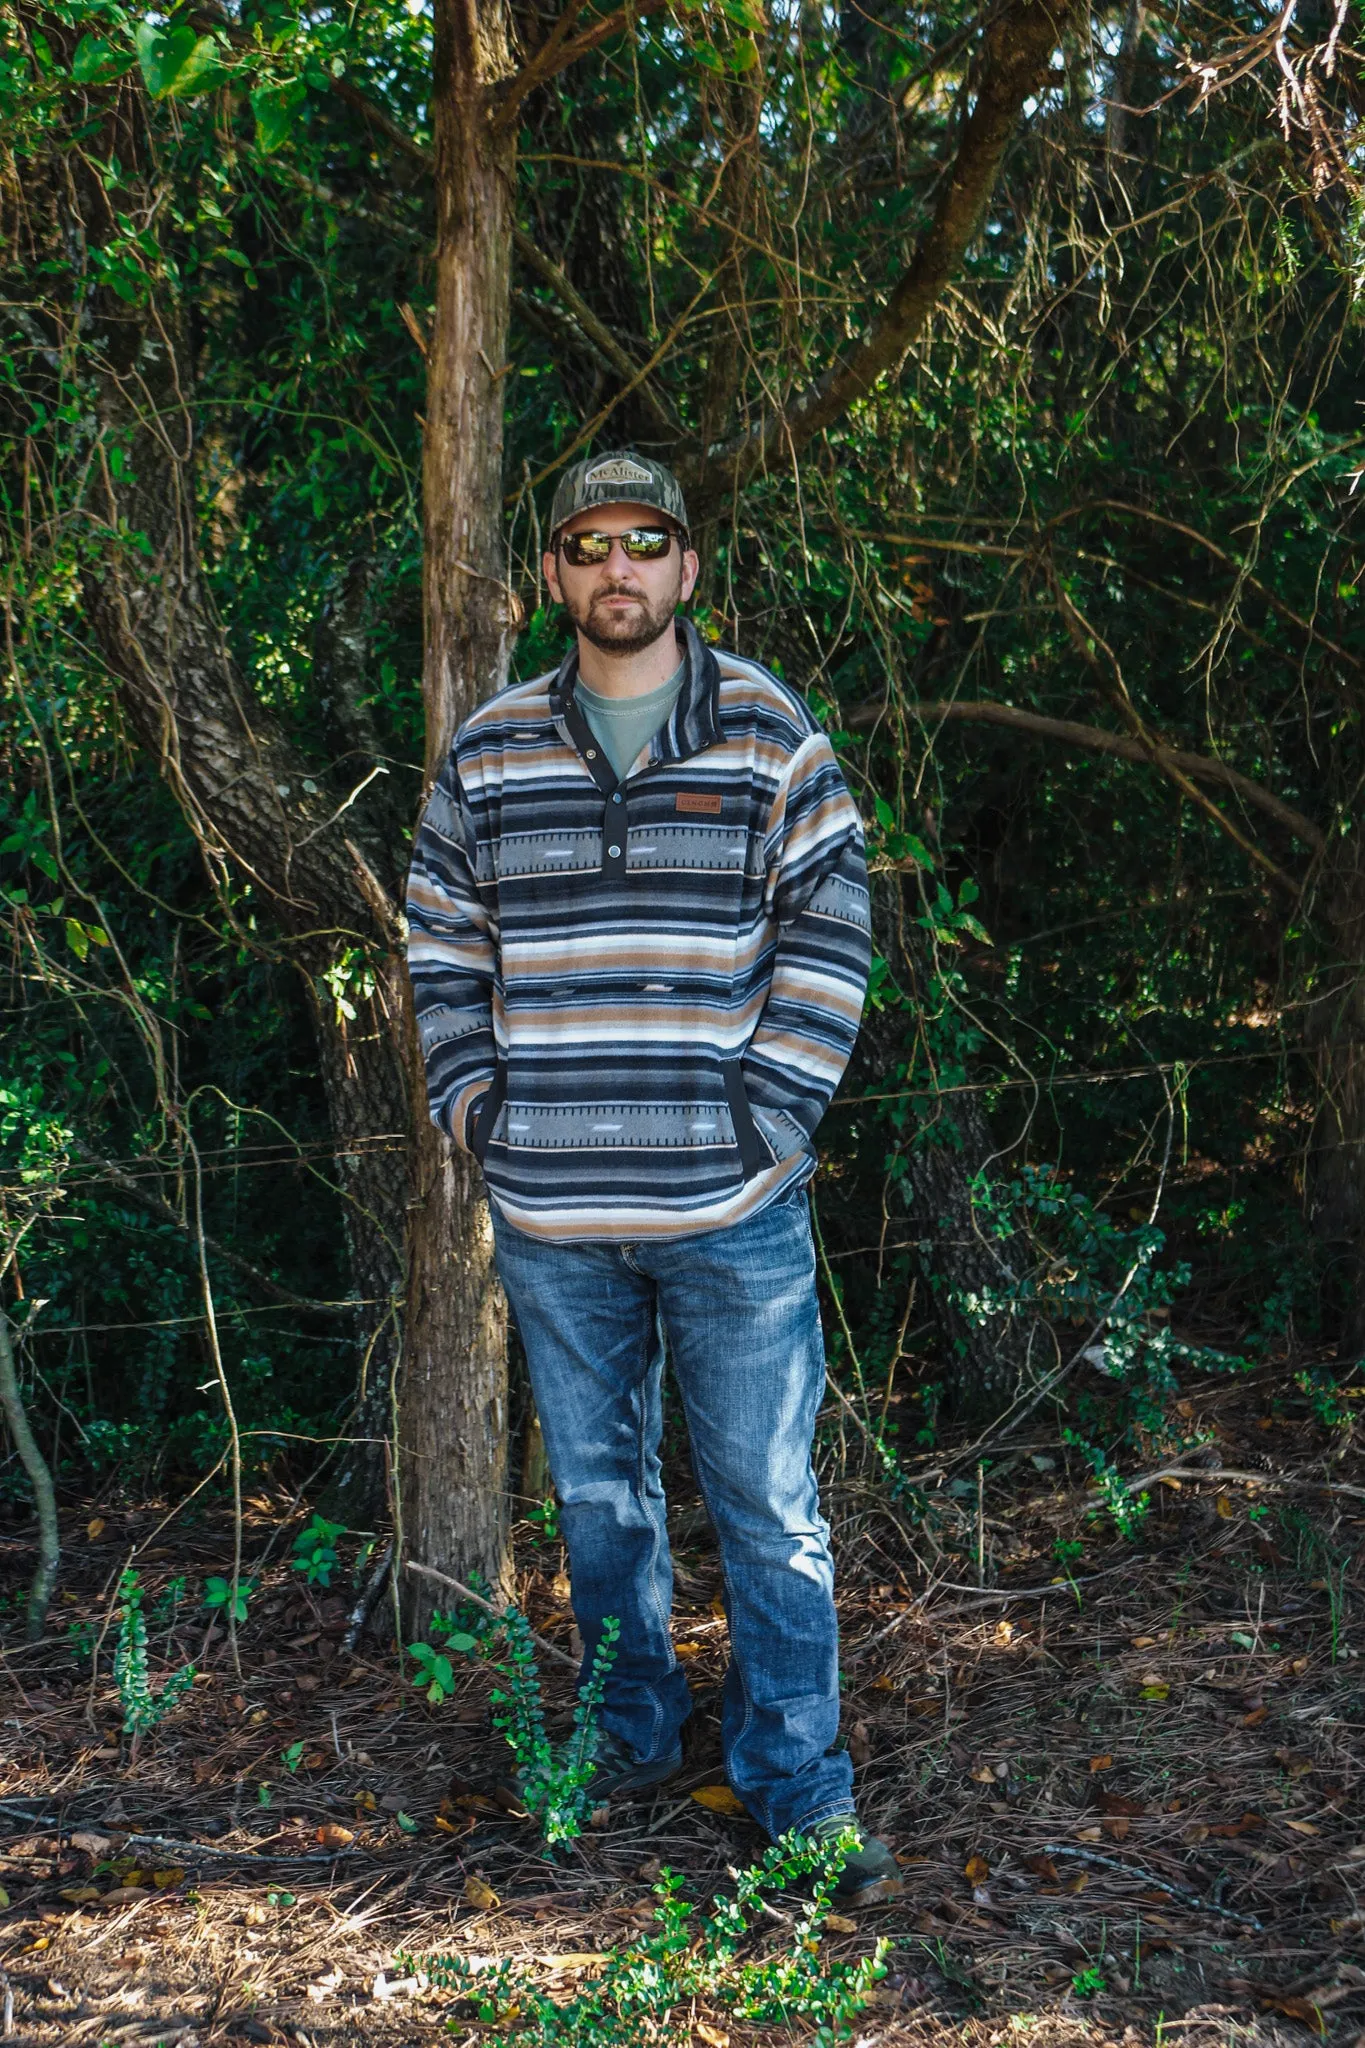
x=619, y=590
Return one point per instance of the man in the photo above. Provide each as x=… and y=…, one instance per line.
x=639, y=950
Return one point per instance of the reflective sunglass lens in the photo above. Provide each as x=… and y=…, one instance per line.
x=646, y=544
x=583, y=548
x=640, y=544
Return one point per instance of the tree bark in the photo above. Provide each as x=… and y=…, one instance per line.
x=330, y=884
x=454, y=1402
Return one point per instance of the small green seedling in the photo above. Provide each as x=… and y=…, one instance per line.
x=292, y=1757
x=315, y=1550
x=218, y=1597
x=1089, y=1982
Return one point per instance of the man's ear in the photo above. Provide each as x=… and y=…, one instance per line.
x=549, y=568
x=691, y=568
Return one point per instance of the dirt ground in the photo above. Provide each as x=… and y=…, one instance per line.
x=1123, y=1776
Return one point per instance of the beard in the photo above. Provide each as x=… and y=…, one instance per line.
x=624, y=633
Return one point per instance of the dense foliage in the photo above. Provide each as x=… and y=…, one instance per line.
x=1117, y=994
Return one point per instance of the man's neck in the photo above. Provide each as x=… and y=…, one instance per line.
x=630, y=675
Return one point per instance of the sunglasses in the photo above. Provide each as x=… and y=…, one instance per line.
x=639, y=544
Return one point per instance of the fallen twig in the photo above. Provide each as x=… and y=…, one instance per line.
x=426, y=1571
x=190, y=1851
x=1174, y=1891
x=1218, y=1473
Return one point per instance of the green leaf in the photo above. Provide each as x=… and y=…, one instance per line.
x=275, y=107
x=96, y=61
x=709, y=58
x=76, y=939
x=175, y=61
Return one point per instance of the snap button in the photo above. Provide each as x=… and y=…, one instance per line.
x=617, y=797
x=592, y=753
x=614, y=851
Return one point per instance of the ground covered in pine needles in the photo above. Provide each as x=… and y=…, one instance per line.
x=1123, y=1775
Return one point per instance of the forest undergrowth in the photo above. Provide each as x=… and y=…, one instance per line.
x=1122, y=1774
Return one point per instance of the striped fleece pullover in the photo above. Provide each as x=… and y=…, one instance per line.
x=636, y=998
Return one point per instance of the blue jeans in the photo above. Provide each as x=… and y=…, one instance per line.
x=743, y=1326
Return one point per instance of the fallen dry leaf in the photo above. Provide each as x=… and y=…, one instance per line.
x=884, y=1684
x=1302, y=1827
x=977, y=1870
x=332, y=1835
x=982, y=1775
x=1255, y=1717
x=1044, y=1867
x=718, y=1799
x=1079, y=1882
x=1087, y=1834
x=1225, y=1507
x=480, y=1895
x=839, y=1923
x=1101, y=1763
x=366, y=1802
x=1294, y=2009
x=1116, y=1826
x=1144, y=1642
x=1227, y=1829
x=79, y=1895
x=94, y=1845
x=165, y=1879
x=687, y=1649
x=94, y=1528
x=1115, y=1802
x=859, y=1746
x=712, y=2036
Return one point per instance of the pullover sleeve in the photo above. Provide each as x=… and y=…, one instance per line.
x=817, y=891
x=452, y=960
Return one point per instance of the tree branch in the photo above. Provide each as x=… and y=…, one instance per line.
x=1198, y=767
x=600, y=336
x=1014, y=64
x=559, y=50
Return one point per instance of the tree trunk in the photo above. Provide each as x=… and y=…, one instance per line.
x=261, y=808
x=454, y=1402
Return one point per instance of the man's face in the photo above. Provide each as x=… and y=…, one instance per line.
x=619, y=605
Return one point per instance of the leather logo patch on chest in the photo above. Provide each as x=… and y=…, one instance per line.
x=699, y=802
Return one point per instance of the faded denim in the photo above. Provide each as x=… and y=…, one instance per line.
x=743, y=1328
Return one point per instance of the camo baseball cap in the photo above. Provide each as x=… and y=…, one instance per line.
x=619, y=478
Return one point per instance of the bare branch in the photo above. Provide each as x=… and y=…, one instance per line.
x=559, y=50
x=1122, y=746
x=1015, y=61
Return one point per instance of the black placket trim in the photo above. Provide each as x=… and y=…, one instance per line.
x=614, y=815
